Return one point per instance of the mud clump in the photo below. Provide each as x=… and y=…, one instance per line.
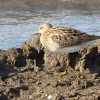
x=29, y=72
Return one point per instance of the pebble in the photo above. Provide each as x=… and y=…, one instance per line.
x=49, y=97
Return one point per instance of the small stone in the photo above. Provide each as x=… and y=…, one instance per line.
x=49, y=97
x=31, y=97
x=89, y=84
x=37, y=69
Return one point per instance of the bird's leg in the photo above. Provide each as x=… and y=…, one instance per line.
x=67, y=67
x=68, y=61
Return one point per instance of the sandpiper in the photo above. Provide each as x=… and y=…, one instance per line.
x=65, y=40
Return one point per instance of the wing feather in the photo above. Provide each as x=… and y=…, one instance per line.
x=66, y=36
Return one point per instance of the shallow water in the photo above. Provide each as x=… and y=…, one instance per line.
x=18, y=25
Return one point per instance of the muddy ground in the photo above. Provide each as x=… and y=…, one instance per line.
x=29, y=72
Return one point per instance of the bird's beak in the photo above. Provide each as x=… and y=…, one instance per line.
x=36, y=33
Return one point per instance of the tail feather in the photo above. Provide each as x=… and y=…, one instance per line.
x=97, y=37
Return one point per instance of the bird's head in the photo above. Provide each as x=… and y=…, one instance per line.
x=44, y=27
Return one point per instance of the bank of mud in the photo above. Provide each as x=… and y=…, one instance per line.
x=29, y=72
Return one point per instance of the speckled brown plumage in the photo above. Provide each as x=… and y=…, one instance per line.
x=57, y=37
x=66, y=36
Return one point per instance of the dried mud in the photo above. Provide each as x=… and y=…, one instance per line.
x=30, y=72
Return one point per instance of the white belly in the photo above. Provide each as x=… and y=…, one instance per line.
x=49, y=44
x=75, y=48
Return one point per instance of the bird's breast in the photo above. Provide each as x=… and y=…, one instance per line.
x=48, y=43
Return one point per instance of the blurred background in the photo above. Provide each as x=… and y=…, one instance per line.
x=19, y=19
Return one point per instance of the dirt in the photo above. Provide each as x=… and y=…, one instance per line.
x=29, y=72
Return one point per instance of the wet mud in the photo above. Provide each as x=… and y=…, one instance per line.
x=29, y=72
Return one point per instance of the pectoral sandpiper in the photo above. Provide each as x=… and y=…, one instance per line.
x=65, y=40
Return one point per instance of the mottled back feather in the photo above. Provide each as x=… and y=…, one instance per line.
x=66, y=36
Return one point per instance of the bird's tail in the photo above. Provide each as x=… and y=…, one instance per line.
x=97, y=37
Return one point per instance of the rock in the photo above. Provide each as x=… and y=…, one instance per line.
x=2, y=96
x=32, y=72
x=49, y=97
x=32, y=50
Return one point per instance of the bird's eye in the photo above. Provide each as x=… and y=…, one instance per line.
x=41, y=27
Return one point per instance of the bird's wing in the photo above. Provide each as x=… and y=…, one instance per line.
x=66, y=36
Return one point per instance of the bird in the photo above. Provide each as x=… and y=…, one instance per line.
x=64, y=40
